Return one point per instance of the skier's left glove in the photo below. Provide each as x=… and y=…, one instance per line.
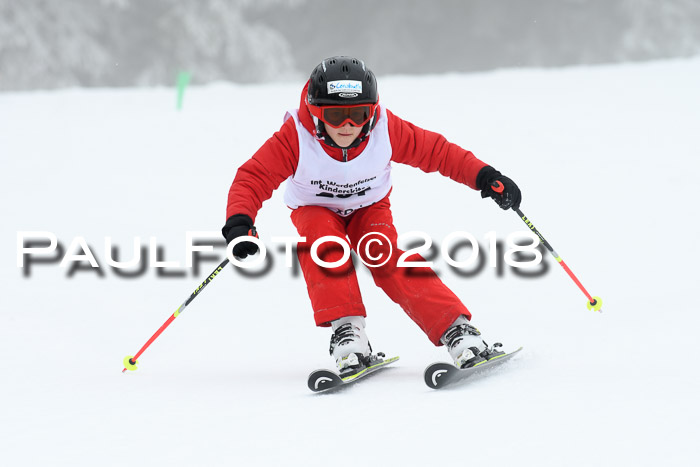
x=502, y=189
x=240, y=225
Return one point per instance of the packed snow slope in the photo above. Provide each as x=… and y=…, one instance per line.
x=606, y=157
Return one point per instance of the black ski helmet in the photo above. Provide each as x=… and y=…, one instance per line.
x=342, y=80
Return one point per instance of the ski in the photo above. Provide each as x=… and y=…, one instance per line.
x=326, y=380
x=441, y=374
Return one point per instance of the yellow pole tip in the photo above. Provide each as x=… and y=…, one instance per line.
x=128, y=365
x=596, y=305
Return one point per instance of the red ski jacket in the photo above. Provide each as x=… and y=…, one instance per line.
x=277, y=159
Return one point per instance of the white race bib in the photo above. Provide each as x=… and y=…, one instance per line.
x=342, y=187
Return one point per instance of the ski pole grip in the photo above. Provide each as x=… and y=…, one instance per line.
x=497, y=187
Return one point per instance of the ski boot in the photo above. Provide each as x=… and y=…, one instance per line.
x=349, y=345
x=465, y=345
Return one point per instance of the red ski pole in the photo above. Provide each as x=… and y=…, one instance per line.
x=594, y=303
x=130, y=361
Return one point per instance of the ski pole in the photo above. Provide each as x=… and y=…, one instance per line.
x=130, y=361
x=594, y=303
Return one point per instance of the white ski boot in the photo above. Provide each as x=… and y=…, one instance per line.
x=465, y=345
x=349, y=344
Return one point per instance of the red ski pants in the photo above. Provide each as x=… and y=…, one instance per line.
x=335, y=292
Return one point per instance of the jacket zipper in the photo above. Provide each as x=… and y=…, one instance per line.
x=345, y=155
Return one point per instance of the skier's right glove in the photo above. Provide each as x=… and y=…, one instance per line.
x=240, y=225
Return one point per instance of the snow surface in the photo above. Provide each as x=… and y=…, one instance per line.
x=607, y=158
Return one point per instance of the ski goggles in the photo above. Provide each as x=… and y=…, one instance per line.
x=337, y=115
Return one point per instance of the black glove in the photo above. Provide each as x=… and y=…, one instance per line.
x=502, y=189
x=240, y=225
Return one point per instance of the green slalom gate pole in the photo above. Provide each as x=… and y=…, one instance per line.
x=183, y=79
x=594, y=303
x=130, y=361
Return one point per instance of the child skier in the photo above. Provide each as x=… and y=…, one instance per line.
x=335, y=152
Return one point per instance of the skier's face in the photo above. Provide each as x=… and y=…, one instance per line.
x=345, y=135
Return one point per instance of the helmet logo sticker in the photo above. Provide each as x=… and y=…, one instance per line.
x=344, y=86
x=348, y=94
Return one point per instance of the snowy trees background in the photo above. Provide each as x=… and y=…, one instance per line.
x=52, y=44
